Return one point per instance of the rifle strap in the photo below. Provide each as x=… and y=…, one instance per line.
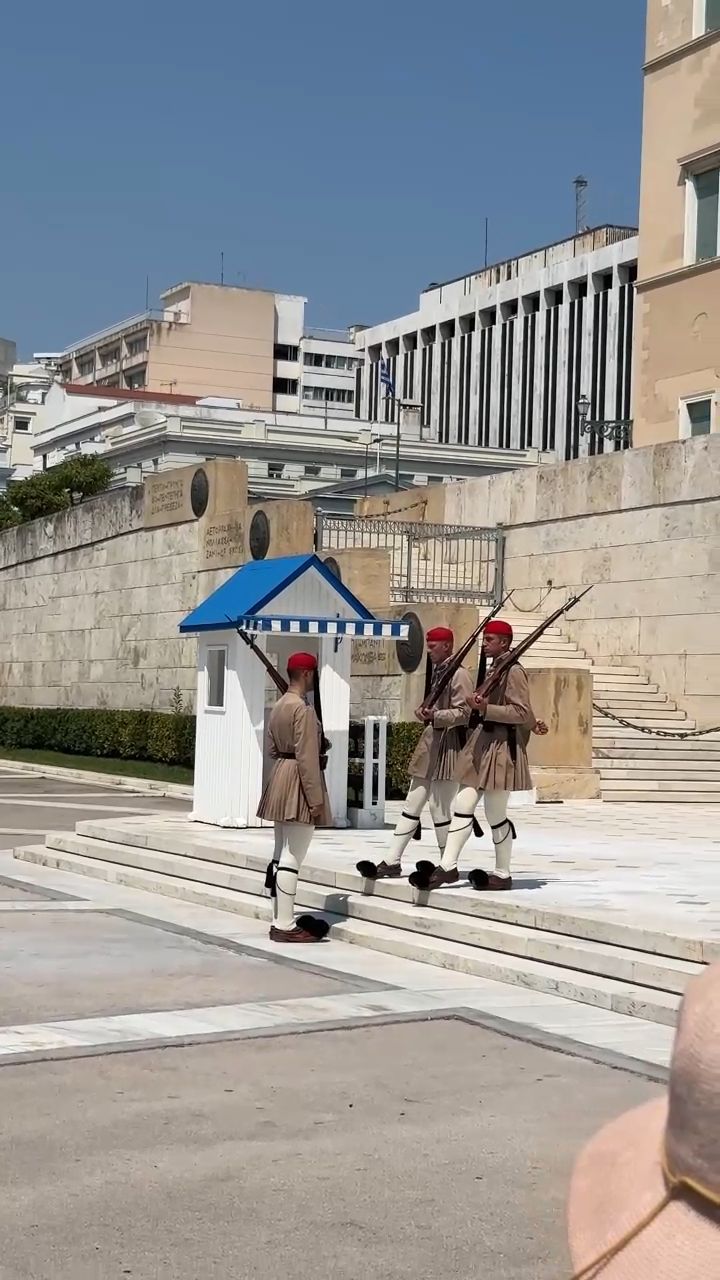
x=428, y=678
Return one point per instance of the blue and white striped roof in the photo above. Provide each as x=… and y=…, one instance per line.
x=324, y=626
x=246, y=600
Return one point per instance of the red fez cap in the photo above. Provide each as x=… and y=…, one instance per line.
x=440, y=633
x=302, y=662
x=498, y=628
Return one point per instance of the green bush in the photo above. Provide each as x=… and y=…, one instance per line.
x=401, y=742
x=168, y=738
x=47, y=492
x=127, y=735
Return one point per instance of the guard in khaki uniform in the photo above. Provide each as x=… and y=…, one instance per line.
x=493, y=764
x=295, y=798
x=433, y=764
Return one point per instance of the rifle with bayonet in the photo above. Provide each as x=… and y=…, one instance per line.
x=501, y=667
x=281, y=685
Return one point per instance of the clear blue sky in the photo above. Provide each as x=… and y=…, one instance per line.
x=348, y=152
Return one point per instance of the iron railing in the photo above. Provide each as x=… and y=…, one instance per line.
x=453, y=562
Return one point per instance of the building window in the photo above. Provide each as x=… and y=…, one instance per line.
x=275, y=470
x=109, y=356
x=285, y=386
x=707, y=16
x=348, y=473
x=311, y=469
x=21, y=424
x=321, y=360
x=135, y=381
x=137, y=346
x=216, y=663
x=86, y=366
x=331, y=395
x=703, y=216
x=282, y=351
x=696, y=416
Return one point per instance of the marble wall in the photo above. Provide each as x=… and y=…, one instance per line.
x=643, y=526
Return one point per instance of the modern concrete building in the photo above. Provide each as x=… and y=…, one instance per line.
x=288, y=454
x=678, y=292
x=247, y=345
x=24, y=388
x=500, y=358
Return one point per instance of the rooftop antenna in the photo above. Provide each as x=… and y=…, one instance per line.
x=147, y=293
x=486, y=242
x=222, y=267
x=581, y=185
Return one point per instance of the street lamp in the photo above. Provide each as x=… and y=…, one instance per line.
x=617, y=429
x=367, y=440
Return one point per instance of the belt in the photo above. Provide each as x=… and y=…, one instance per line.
x=286, y=755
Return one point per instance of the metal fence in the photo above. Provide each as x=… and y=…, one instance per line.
x=451, y=562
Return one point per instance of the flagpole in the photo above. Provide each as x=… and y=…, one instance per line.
x=399, y=405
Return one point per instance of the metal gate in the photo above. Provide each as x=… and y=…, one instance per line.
x=453, y=562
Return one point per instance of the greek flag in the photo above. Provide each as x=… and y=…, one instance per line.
x=386, y=379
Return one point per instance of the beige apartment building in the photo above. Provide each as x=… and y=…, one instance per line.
x=677, y=333
x=247, y=346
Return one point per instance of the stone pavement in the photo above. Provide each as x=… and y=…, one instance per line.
x=384, y=986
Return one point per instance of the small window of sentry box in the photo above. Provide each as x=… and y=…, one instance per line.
x=215, y=668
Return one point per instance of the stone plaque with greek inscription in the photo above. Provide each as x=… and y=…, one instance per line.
x=223, y=543
x=370, y=657
x=167, y=499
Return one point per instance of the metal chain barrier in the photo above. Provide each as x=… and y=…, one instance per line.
x=655, y=733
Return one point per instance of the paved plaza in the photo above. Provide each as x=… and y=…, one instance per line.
x=182, y=1099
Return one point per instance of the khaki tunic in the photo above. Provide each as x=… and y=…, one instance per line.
x=487, y=763
x=436, y=754
x=295, y=785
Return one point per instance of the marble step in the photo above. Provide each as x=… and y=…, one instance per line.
x=662, y=795
x=621, y=673
x=506, y=909
x=663, y=751
x=678, y=773
x=629, y=696
x=406, y=936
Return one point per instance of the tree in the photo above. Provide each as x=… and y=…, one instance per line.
x=9, y=515
x=39, y=495
x=82, y=476
x=46, y=492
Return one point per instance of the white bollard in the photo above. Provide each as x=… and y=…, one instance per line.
x=371, y=814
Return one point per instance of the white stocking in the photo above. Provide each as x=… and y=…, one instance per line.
x=295, y=840
x=440, y=803
x=496, y=804
x=409, y=819
x=461, y=826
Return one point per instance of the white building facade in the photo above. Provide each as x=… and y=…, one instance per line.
x=499, y=359
x=288, y=454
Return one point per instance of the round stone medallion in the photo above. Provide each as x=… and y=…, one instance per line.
x=259, y=536
x=199, y=493
x=410, y=652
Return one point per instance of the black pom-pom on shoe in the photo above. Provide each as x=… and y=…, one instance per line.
x=313, y=925
x=425, y=866
x=420, y=877
x=478, y=879
x=368, y=870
